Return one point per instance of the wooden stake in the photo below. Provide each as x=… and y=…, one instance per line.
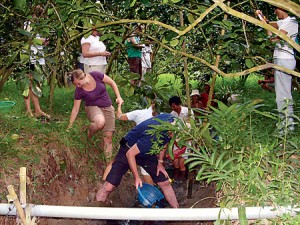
x=17, y=204
x=23, y=185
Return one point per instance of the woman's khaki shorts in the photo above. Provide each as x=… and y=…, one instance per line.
x=107, y=112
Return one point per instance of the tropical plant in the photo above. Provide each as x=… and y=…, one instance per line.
x=245, y=170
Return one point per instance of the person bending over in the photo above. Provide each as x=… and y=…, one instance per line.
x=139, y=116
x=134, y=150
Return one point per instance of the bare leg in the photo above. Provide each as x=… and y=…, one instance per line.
x=27, y=105
x=36, y=104
x=104, y=191
x=147, y=179
x=97, y=124
x=181, y=164
x=176, y=163
x=107, y=142
x=169, y=193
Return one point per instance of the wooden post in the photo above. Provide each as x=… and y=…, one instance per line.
x=23, y=185
x=14, y=197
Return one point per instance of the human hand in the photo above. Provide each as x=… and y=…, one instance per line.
x=138, y=182
x=105, y=53
x=69, y=127
x=161, y=168
x=119, y=101
x=261, y=16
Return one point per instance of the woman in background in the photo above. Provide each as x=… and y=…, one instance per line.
x=94, y=53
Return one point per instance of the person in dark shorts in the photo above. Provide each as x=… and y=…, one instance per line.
x=134, y=150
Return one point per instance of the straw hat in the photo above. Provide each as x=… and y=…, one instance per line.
x=195, y=92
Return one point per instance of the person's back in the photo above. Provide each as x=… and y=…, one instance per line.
x=139, y=134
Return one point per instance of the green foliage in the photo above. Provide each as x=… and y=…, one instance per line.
x=245, y=170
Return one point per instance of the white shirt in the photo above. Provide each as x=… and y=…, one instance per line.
x=282, y=49
x=81, y=59
x=36, y=54
x=184, y=113
x=139, y=116
x=146, y=59
x=95, y=46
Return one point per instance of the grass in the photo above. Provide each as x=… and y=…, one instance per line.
x=41, y=144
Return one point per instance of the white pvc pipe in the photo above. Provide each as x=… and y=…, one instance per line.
x=165, y=214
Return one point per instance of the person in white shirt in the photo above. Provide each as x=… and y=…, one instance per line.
x=139, y=116
x=183, y=113
x=283, y=56
x=94, y=53
x=36, y=61
x=146, y=59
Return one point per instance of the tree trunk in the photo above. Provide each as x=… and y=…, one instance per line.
x=114, y=55
x=53, y=77
x=4, y=75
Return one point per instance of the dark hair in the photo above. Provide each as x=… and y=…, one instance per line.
x=175, y=99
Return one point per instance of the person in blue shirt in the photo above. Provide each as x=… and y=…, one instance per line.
x=134, y=150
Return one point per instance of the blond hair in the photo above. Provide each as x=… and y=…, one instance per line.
x=76, y=74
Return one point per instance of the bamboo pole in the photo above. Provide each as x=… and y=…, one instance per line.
x=186, y=78
x=14, y=197
x=214, y=77
x=22, y=185
x=190, y=180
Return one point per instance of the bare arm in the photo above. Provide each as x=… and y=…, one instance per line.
x=131, y=153
x=160, y=165
x=276, y=39
x=89, y=54
x=112, y=83
x=74, y=112
x=134, y=42
x=120, y=115
x=266, y=21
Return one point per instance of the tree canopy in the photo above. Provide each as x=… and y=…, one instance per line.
x=244, y=48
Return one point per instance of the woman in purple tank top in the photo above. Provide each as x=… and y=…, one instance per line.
x=98, y=106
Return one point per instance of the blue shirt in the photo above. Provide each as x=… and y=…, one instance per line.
x=139, y=134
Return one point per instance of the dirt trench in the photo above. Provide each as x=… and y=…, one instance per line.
x=62, y=179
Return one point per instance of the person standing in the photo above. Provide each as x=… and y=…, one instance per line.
x=37, y=60
x=134, y=53
x=94, y=53
x=146, y=59
x=283, y=56
x=90, y=87
x=134, y=150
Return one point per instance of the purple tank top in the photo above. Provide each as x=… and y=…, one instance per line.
x=97, y=97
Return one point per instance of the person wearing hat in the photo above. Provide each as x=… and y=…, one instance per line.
x=195, y=102
x=94, y=53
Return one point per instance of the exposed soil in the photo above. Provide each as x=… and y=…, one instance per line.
x=64, y=179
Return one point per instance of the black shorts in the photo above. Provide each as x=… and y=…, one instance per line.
x=120, y=166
